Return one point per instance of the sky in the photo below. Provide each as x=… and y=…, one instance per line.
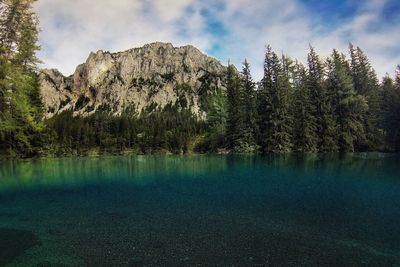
x=229, y=30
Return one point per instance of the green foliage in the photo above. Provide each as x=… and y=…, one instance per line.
x=249, y=108
x=339, y=105
x=391, y=113
x=21, y=114
x=81, y=102
x=20, y=101
x=210, y=85
x=170, y=129
x=241, y=123
x=350, y=107
x=19, y=33
x=305, y=122
x=366, y=84
x=235, y=119
x=275, y=121
x=216, y=123
x=323, y=101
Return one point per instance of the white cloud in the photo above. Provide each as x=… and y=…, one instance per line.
x=169, y=10
x=73, y=28
x=290, y=28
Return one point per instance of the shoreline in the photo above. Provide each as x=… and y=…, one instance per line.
x=132, y=152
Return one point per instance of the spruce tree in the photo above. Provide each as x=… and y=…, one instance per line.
x=19, y=91
x=322, y=104
x=27, y=42
x=274, y=105
x=350, y=107
x=235, y=118
x=366, y=84
x=305, y=126
x=397, y=112
x=391, y=113
x=264, y=102
x=248, y=110
x=216, y=122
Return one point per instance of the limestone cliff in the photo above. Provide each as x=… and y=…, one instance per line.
x=138, y=79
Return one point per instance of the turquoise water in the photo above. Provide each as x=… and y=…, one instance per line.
x=201, y=211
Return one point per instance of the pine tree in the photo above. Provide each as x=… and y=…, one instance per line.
x=322, y=102
x=241, y=110
x=264, y=102
x=366, y=84
x=19, y=32
x=391, y=113
x=19, y=90
x=350, y=107
x=27, y=42
x=288, y=84
x=248, y=110
x=11, y=13
x=216, y=123
x=274, y=106
x=397, y=111
x=305, y=126
x=234, y=121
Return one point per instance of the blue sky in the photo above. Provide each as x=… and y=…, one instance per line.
x=226, y=29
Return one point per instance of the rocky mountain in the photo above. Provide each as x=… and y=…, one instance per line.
x=139, y=79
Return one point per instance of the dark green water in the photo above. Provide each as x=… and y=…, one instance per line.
x=201, y=211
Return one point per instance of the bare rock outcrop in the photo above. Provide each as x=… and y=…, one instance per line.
x=139, y=79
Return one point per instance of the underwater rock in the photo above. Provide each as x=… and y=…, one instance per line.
x=44, y=264
x=14, y=243
x=49, y=264
x=55, y=232
x=136, y=262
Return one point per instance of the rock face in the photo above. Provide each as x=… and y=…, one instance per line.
x=139, y=79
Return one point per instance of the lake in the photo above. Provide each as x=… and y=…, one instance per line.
x=282, y=210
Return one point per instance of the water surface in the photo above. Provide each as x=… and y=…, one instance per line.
x=201, y=211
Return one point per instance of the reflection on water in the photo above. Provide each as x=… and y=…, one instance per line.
x=277, y=210
x=39, y=173
x=80, y=171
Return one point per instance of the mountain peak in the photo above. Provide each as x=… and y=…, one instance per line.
x=135, y=79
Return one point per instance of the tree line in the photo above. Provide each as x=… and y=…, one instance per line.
x=335, y=105
x=169, y=130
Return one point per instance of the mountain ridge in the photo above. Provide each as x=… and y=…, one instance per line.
x=139, y=79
